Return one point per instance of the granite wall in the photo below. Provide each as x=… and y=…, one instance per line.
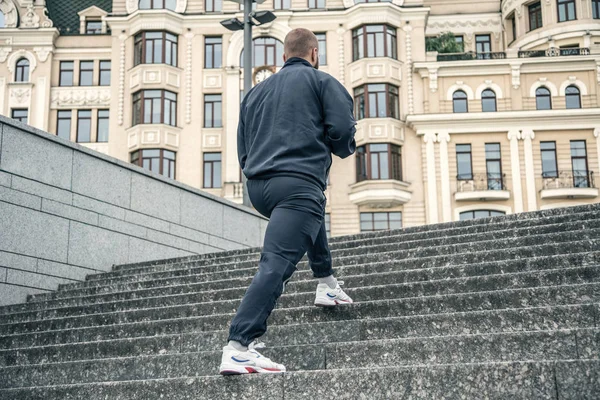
x=66, y=211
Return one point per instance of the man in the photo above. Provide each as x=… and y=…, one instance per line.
x=289, y=126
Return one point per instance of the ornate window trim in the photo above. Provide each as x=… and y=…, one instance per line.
x=16, y=56
x=134, y=5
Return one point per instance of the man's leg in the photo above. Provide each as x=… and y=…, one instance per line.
x=319, y=255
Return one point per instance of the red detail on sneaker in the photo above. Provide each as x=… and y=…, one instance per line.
x=272, y=369
x=251, y=370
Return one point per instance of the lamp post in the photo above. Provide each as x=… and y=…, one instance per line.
x=233, y=24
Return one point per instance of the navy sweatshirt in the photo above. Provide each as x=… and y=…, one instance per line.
x=292, y=122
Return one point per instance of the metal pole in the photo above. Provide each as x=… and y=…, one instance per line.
x=247, y=73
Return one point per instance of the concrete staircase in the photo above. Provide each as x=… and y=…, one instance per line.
x=502, y=308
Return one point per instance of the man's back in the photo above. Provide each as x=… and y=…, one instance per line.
x=291, y=122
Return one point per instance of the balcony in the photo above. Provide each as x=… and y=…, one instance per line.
x=555, y=52
x=471, y=56
x=569, y=185
x=380, y=193
x=482, y=187
x=233, y=191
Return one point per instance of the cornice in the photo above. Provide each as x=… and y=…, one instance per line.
x=491, y=22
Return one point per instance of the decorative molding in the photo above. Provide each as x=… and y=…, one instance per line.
x=134, y=5
x=122, y=38
x=573, y=81
x=30, y=20
x=460, y=85
x=514, y=134
x=277, y=30
x=11, y=15
x=4, y=52
x=527, y=134
x=341, y=61
x=429, y=137
x=596, y=132
x=433, y=79
x=488, y=84
x=598, y=71
x=409, y=73
x=43, y=53
x=75, y=97
x=515, y=70
x=445, y=26
x=443, y=136
x=17, y=55
x=47, y=23
x=546, y=83
x=188, y=78
x=20, y=96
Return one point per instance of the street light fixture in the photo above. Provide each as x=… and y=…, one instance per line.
x=233, y=24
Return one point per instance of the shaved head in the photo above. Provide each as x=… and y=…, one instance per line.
x=301, y=43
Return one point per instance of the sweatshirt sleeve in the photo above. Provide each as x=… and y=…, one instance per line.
x=241, y=143
x=338, y=117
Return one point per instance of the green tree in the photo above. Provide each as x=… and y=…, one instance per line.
x=445, y=43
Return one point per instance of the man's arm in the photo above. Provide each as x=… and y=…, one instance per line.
x=338, y=117
x=241, y=143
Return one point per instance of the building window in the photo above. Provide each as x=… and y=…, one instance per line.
x=158, y=4
x=513, y=27
x=493, y=163
x=380, y=221
x=156, y=160
x=543, y=100
x=266, y=51
x=2, y=20
x=93, y=27
x=213, y=52
x=214, y=5
x=460, y=102
x=566, y=10
x=322, y=39
x=483, y=45
x=282, y=4
x=596, y=9
x=374, y=41
x=480, y=214
x=155, y=48
x=86, y=73
x=212, y=170
x=104, y=78
x=155, y=107
x=63, y=124
x=316, y=3
x=579, y=162
x=22, y=70
x=102, y=130
x=460, y=41
x=84, y=126
x=464, y=162
x=549, y=162
x=379, y=161
x=378, y=100
x=488, y=101
x=66, y=73
x=573, y=97
x=20, y=114
x=371, y=1
x=213, y=111
x=328, y=224
x=535, y=16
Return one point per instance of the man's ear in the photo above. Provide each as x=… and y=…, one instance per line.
x=284, y=58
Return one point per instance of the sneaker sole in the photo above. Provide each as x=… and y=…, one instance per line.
x=235, y=370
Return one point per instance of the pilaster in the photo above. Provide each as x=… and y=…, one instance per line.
x=443, y=138
x=432, y=207
x=528, y=135
x=515, y=161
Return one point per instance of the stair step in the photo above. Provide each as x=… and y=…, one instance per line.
x=475, y=322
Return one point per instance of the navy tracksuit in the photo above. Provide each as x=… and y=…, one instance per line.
x=290, y=124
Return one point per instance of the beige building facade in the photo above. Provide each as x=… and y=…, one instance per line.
x=511, y=123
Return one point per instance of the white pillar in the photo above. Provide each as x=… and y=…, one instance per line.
x=432, y=206
x=443, y=138
x=515, y=162
x=232, y=166
x=40, y=120
x=528, y=135
x=597, y=136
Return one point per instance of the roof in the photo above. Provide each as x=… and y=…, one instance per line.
x=64, y=13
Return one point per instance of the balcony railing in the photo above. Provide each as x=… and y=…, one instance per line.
x=555, y=52
x=481, y=182
x=568, y=180
x=470, y=56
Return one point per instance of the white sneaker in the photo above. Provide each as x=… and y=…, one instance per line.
x=234, y=362
x=327, y=297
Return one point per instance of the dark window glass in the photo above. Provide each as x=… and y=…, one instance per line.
x=213, y=52
x=66, y=73
x=2, y=20
x=86, y=73
x=461, y=41
x=156, y=160
x=379, y=161
x=84, y=126
x=155, y=48
x=573, y=97
x=480, y=214
x=378, y=100
x=322, y=38
x=579, y=163
x=513, y=27
x=104, y=79
x=535, y=15
x=93, y=27
x=493, y=162
x=267, y=51
x=328, y=224
x=20, y=115
x=316, y=3
x=374, y=41
x=214, y=5
x=596, y=9
x=483, y=45
x=380, y=221
x=63, y=124
x=213, y=111
x=543, y=100
x=488, y=101
x=22, y=70
x=155, y=107
x=282, y=4
x=103, y=124
x=158, y=4
x=212, y=170
x=549, y=162
x=566, y=10
x=464, y=162
x=460, y=102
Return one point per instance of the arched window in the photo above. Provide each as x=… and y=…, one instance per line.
x=573, y=97
x=22, y=70
x=543, y=100
x=488, y=101
x=265, y=51
x=460, y=102
x=480, y=214
x=158, y=4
